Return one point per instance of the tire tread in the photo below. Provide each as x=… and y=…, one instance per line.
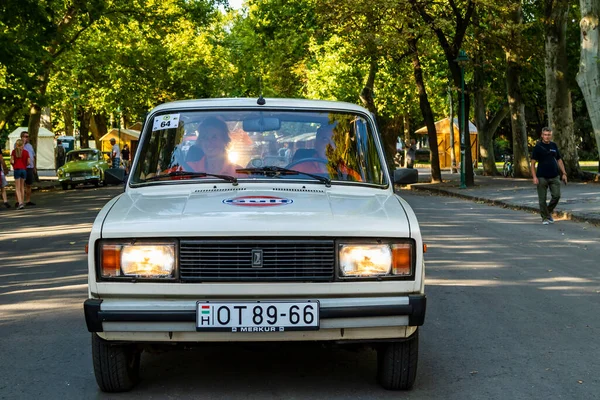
x=112, y=365
x=397, y=364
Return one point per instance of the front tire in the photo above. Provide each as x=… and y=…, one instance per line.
x=65, y=186
x=397, y=363
x=116, y=367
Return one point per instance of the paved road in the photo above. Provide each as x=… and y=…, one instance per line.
x=513, y=314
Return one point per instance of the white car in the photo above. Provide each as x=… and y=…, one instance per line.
x=207, y=249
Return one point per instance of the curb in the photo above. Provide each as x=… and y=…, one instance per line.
x=562, y=214
x=35, y=187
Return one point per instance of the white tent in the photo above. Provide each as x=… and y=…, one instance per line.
x=45, y=147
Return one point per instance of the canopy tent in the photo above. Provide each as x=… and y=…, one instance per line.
x=45, y=147
x=130, y=137
x=445, y=124
x=125, y=135
x=442, y=128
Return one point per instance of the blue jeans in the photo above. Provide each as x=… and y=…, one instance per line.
x=116, y=162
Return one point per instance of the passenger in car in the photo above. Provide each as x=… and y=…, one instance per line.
x=319, y=161
x=209, y=152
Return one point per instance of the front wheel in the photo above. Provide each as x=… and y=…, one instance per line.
x=116, y=366
x=64, y=185
x=397, y=363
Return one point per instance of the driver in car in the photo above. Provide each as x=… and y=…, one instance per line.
x=320, y=163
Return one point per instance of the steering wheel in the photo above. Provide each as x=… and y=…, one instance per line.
x=308, y=160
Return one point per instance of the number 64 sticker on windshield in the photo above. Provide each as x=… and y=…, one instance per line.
x=168, y=121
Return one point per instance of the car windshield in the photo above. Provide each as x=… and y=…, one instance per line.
x=82, y=156
x=270, y=144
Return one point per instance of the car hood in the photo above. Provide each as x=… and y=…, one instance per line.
x=257, y=210
x=73, y=166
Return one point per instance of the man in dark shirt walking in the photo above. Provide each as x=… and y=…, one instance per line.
x=549, y=161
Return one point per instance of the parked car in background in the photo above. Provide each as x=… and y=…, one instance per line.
x=84, y=166
x=223, y=244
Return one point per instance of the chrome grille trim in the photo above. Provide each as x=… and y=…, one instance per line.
x=282, y=260
x=78, y=174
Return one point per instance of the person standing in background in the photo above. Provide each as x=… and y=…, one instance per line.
x=20, y=159
x=125, y=155
x=115, y=154
x=4, y=170
x=60, y=154
x=411, y=153
x=30, y=170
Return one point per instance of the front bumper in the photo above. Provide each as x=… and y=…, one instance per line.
x=80, y=179
x=150, y=320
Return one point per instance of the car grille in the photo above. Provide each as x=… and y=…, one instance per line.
x=274, y=260
x=80, y=174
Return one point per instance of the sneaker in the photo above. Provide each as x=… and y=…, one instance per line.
x=30, y=203
x=551, y=220
x=21, y=206
x=6, y=205
x=546, y=222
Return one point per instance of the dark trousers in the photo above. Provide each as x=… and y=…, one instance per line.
x=542, y=189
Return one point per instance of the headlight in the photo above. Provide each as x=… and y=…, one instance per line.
x=95, y=170
x=141, y=260
x=60, y=173
x=375, y=260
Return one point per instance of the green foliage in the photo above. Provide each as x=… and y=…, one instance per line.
x=133, y=55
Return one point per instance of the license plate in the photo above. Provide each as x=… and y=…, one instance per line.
x=257, y=316
x=78, y=178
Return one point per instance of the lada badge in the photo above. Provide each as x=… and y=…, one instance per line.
x=258, y=201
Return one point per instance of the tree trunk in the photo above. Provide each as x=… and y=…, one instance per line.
x=46, y=119
x=451, y=51
x=101, y=128
x=406, y=120
x=35, y=111
x=518, y=122
x=68, y=116
x=484, y=134
x=436, y=174
x=366, y=95
x=588, y=76
x=84, y=129
x=469, y=175
x=558, y=95
x=453, y=168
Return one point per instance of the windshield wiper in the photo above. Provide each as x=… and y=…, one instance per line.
x=276, y=171
x=190, y=174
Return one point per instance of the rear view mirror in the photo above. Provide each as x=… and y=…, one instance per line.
x=406, y=176
x=261, y=124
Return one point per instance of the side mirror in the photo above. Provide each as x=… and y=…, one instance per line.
x=406, y=176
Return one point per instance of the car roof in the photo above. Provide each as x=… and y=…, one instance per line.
x=269, y=103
